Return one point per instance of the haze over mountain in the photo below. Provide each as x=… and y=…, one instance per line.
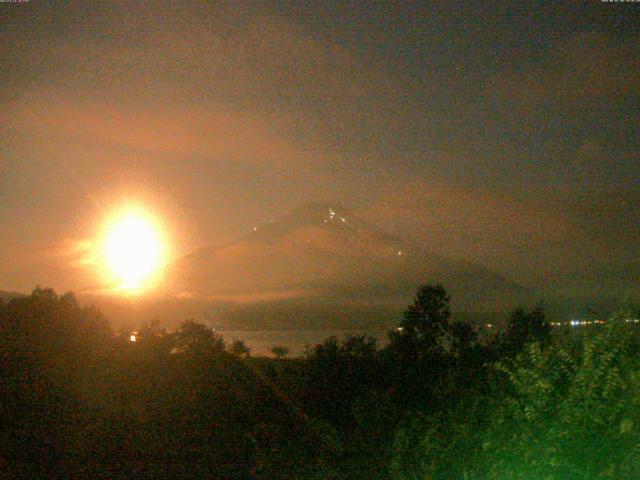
x=320, y=266
x=320, y=263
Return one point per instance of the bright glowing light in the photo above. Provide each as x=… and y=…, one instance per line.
x=133, y=250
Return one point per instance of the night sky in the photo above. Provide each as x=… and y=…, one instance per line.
x=501, y=134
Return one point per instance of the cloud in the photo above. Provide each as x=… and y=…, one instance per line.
x=523, y=239
x=78, y=253
x=247, y=298
x=218, y=132
x=581, y=71
x=201, y=91
x=240, y=69
x=611, y=218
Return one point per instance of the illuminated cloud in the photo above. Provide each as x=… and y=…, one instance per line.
x=521, y=238
x=580, y=72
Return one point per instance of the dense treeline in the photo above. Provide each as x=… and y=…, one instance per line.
x=78, y=400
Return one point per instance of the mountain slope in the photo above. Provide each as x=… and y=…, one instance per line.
x=321, y=255
x=6, y=296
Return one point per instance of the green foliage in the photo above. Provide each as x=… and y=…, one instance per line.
x=571, y=413
x=555, y=411
x=441, y=445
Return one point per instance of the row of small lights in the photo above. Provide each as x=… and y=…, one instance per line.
x=332, y=215
x=579, y=323
x=573, y=323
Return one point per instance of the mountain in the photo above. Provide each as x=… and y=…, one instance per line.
x=5, y=296
x=320, y=263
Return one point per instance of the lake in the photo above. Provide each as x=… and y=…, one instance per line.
x=261, y=341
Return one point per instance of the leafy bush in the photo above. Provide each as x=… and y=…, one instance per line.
x=568, y=410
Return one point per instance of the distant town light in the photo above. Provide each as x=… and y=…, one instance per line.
x=133, y=338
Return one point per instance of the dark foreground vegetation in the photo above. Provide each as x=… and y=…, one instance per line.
x=436, y=403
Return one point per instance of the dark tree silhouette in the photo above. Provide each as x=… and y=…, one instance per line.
x=194, y=337
x=48, y=345
x=340, y=371
x=279, y=351
x=77, y=401
x=524, y=328
x=424, y=324
x=359, y=346
x=463, y=337
x=239, y=349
